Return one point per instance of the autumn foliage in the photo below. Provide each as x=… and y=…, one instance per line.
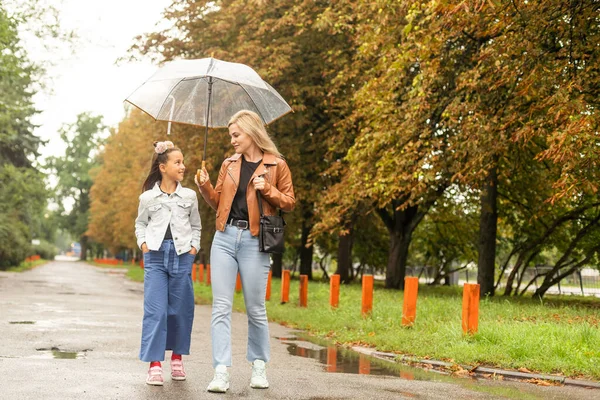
x=408, y=115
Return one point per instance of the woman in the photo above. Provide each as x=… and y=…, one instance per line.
x=256, y=165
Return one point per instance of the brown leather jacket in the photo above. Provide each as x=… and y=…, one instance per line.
x=278, y=191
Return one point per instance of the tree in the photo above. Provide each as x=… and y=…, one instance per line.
x=290, y=59
x=82, y=140
x=18, y=144
x=23, y=195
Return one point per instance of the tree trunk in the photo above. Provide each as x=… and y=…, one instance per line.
x=306, y=253
x=396, y=266
x=83, y=241
x=488, y=227
x=276, y=267
x=344, y=258
x=401, y=224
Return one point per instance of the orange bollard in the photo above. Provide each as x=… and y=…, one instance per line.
x=193, y=273
x=238, y=283
x=208, y=274
x=285, y=286
x=200, y=272
x=268, y=294
x=409, y=306
x=367, y=294
x=364, y=365
x=303, y=290
x=334, y=290
x=331, y=359
x=470, y=309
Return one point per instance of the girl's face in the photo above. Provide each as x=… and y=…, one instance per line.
x=241, y=141
x=174, y=167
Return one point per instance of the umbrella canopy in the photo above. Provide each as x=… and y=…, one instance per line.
x=207, y=92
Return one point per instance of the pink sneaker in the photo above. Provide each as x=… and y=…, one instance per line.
x=155, y=376
x=177, y=371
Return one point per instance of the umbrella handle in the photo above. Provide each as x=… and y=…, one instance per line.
x=203, y=164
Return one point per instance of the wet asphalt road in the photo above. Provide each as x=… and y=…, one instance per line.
x=71, y=309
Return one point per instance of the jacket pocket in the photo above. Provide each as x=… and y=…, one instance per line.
x=154, y=212
x=155, y=207
x=184, y=209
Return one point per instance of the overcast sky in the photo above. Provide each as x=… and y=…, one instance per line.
x=87, y=78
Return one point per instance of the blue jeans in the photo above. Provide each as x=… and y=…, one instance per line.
x=237, y=250
x=168, y=303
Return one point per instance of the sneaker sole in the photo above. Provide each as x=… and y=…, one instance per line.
x=178, y=378
x=155, y=383
x=254, y=386
x=217, y=390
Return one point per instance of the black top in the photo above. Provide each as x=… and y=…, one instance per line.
x=239, y=207
x=168, y=234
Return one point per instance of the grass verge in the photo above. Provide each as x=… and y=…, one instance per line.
x=555, y=336
x=134, y=272
x=27, y=265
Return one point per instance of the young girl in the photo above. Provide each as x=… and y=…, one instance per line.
x=168, y=232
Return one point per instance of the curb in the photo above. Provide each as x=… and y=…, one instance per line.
x=514, y=375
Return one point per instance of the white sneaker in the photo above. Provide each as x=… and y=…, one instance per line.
x=220, y=382
x=259, y=375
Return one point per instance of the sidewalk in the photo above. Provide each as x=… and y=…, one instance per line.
x=71, y=331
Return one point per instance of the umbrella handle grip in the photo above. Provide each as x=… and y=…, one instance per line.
x=203, y=164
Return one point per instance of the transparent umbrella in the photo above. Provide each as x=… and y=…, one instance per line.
x=206, y=92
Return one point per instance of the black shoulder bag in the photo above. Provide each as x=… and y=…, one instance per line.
x=271, y=231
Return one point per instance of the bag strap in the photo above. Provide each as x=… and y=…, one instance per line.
x=260, y=207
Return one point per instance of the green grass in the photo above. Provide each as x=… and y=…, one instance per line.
x=134, y=272
x=24, y=266
x=554, y=336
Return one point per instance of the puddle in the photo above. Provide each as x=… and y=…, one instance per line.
x=337, y=359
x=21, y=322
x=56, y=353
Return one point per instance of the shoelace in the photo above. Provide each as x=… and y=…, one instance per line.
x=261, y=372
x=221, y=376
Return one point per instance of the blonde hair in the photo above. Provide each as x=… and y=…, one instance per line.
x=252, y=125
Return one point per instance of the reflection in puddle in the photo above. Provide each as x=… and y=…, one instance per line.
x=346, y=361
x=341, y=360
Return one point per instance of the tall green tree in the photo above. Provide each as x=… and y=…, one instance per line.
x=18, y=144
x=22, y=190
x=82, y=141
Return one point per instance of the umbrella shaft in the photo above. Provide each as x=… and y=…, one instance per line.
x=210, y=83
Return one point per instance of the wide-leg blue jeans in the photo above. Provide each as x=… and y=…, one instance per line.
x=168, y=303
x=236, y=250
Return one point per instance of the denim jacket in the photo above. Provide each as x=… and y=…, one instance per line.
x=157, y=210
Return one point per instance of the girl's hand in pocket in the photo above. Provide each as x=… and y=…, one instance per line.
x=193, y=251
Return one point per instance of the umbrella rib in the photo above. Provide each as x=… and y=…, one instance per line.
x=253, y=102
x=144, y=111
x=167, y=96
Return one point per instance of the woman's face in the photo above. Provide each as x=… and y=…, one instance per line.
x=174, y=167
x=241, y=141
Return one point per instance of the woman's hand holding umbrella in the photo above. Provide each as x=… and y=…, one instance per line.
x=201, y=176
